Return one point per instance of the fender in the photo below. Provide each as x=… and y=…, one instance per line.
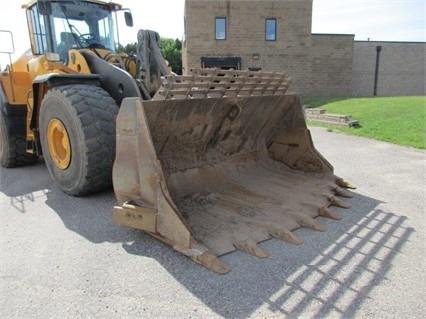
x=43, y=83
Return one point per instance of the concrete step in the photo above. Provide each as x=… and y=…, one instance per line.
x=320, y=115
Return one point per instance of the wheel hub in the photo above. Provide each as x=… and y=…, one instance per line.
x=59, y=143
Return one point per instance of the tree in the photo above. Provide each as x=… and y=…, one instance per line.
x=130, y=48
x=172, y=52
x=169, y=48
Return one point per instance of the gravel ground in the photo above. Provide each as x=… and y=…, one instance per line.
x=62, y=257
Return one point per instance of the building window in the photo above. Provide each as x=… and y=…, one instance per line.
x=220, y=28
x=270, y=29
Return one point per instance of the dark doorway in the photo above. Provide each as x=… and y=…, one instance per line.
x=224, y=63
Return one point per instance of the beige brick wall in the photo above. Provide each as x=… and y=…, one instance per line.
x=331, y=65
x=246, y=35
x=401, y=68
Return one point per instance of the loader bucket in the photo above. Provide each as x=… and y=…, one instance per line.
x=219, y=162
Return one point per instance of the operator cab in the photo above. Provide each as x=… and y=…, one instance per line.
x=58, y=26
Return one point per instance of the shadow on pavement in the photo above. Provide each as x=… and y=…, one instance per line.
x=94, y=223
x=330, y=274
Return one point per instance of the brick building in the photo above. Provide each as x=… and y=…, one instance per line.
x=401, y=68
x=275, y=35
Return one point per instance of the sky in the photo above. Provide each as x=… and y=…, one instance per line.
x=375, y=20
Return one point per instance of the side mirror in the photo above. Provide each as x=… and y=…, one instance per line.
x=44, y=7
x=129, y=19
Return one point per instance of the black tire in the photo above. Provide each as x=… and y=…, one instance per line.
x=13, y=148
x=88, y=114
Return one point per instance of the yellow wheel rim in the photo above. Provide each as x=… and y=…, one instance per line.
x=59, y=144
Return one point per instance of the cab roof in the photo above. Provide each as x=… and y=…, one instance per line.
x=112, y=5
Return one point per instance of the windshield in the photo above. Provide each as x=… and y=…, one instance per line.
x=73, y=24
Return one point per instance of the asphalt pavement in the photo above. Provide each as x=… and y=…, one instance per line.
x=63, y=257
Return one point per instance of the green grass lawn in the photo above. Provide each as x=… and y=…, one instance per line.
x=399, y=120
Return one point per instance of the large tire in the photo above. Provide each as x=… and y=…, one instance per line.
x=77, y=132
x=13, y=148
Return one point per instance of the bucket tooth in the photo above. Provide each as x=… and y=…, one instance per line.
x=344, y=183
x=250, y=247
x=309, y=222
x=342, y=192
x=327, y=212
x=285, y=234
x=212, y=262
x=337, y=202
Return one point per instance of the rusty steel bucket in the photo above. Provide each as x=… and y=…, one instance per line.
x=219, y=161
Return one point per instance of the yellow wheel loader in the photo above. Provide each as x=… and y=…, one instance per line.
x=208, y=163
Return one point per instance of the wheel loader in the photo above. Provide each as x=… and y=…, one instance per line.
x=208, y=162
